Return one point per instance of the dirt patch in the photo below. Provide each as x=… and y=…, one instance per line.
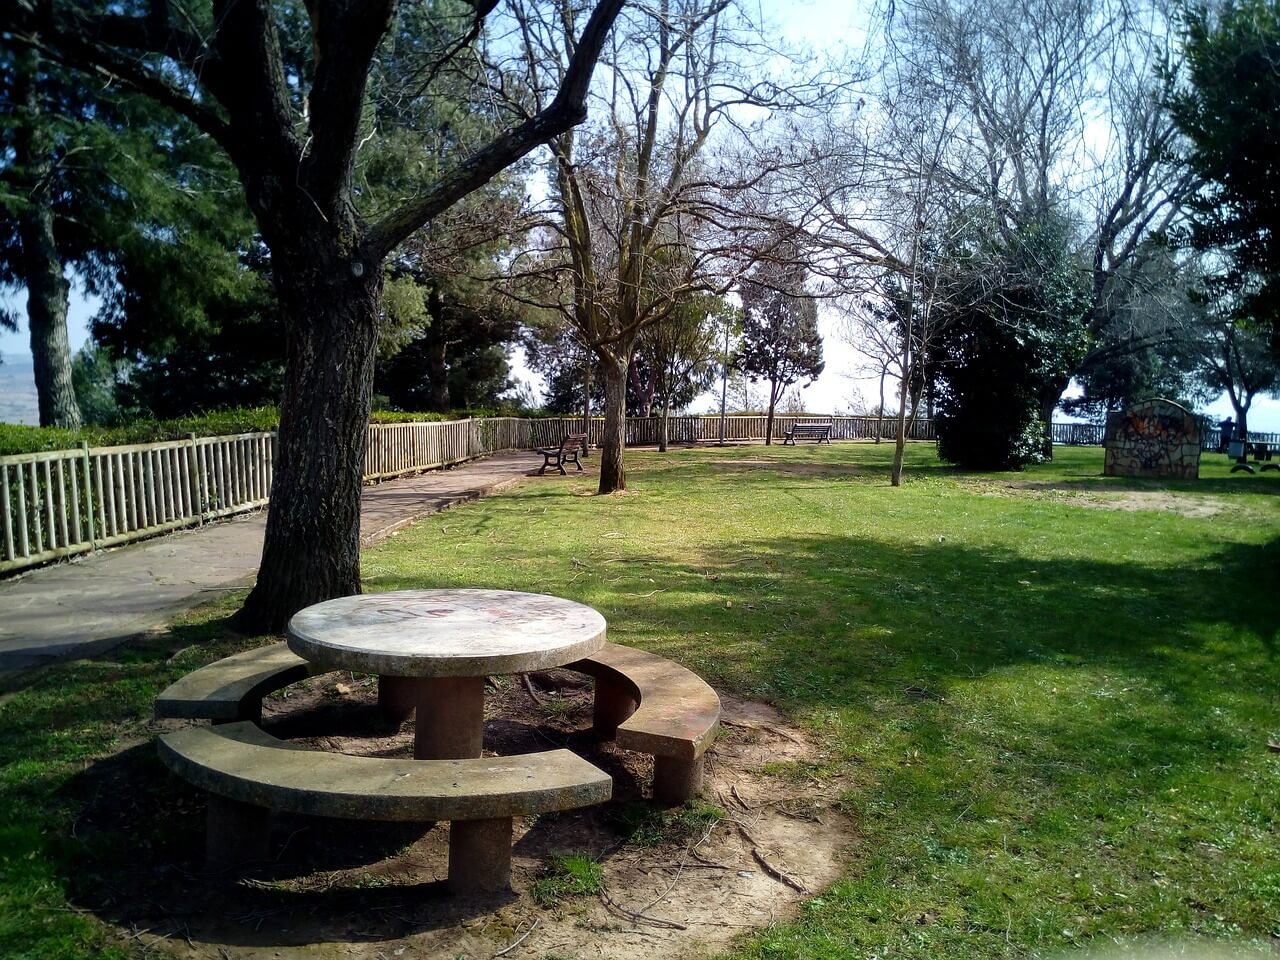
x=1168, y=501
x=675, y=883
x=779, y=466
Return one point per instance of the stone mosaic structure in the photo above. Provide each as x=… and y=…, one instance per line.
x=1153, y=438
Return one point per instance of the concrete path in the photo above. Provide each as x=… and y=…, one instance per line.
x=81, y=608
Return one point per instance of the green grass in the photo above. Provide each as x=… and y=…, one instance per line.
x=568, y=876
x=1051, y=718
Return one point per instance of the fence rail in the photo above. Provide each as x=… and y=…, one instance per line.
x=645, y=431
x=65, y=502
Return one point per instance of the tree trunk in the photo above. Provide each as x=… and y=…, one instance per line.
x=768, y=420
x=880, y=412
x=437, y=354
x=312, y=547
x=588, y=363
x=612, y=475
x=1048, y=403
x=665, y=426
x=47, y=319
x=900, y=442
x=438, y=373
x=41, y=264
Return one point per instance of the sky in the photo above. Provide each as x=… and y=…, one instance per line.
x=843, y=385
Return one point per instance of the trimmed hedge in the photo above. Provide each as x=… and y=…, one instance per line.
x=23, y=439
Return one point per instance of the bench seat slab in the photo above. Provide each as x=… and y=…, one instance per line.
x=240, y=761
x=678, y=713
x=232, y=688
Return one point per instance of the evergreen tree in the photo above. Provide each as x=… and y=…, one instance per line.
x=1228, y=115
x=1016, y=320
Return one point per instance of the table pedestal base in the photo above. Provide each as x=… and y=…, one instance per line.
x=450, y=723
x=480, y=855
x=237, y=833
x=613, y=705
x=676, y=780
x=396, y=698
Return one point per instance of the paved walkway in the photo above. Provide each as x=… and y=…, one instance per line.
x=78, y=609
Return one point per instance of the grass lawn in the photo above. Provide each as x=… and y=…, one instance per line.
x=1050, y=694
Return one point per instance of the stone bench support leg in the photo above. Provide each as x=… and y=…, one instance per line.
x=237, y=833
x=450, y=723
x=480, y=856
x=676, y=780
x=613, y=705
x=396, y=698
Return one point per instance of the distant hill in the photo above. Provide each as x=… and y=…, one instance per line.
x=18, y=390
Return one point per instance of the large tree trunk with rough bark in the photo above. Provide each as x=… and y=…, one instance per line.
x=1048, y=403
x=312, y=547
x=612, y=475
x=47, y=319
x=41, y=264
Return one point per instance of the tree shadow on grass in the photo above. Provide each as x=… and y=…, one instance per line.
x=132, y=851
x=901, y=640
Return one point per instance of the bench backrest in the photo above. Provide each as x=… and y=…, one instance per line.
x=571, y=441
x=811, y=428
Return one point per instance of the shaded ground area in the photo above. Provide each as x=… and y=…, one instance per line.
x=99, y=601
x=675, y=883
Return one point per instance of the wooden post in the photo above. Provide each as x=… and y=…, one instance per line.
x=61, y=482
x=35, y=508
x=6, y=514
x=77, y=528
x=24, y=541
x=198, y=486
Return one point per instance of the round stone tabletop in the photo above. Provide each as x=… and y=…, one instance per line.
x=446, y=633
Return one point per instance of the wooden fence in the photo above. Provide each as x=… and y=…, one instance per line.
x=644, y=431
x=65, y=502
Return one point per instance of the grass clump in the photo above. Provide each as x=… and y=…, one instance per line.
x=645, y=825
x=568, y=876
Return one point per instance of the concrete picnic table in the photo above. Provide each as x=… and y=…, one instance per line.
x=432, y=650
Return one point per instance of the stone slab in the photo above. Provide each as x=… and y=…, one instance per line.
x=219, y=690
x=679, y=712
x=240, y=761
x=446, y=633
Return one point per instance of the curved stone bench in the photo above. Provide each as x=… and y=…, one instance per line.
x=653, y=705
x=232, y=688
x=248, y=773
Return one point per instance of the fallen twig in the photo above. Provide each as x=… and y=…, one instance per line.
x=761, y=727
x=641, y=917
x=538, y=698
x=765, y=865
x=522, y=938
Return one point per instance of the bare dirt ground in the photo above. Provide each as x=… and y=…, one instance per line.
x=678, y=883
x=1075, y=494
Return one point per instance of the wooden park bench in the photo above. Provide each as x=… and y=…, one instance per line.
x=248, y=774
x=652, y=705
x=807, y=431
x=232, y=688
x=567, y=452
